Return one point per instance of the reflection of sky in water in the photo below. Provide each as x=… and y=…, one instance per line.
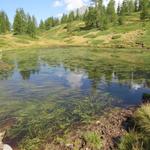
x=40, y=84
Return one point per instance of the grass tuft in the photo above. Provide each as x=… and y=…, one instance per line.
x=142, y=118
x=93, y=140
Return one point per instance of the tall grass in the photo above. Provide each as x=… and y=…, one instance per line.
x=142, y=119
x=139, y=137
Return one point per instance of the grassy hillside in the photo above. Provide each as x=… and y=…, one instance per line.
x=133, y=33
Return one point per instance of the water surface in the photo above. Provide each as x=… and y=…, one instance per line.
x=35, y=74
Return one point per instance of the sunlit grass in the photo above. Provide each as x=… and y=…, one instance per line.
x=93, y=140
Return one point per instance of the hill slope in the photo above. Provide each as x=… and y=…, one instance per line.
x=133, y=33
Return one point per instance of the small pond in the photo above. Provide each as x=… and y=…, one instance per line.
x=53, y=88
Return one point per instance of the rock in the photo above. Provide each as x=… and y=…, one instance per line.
x=2, y=145
x=98, y=122
x=7, y=147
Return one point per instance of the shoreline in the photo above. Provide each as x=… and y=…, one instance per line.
x=73, y=46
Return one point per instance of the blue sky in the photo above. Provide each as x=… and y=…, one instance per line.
x=42, y=8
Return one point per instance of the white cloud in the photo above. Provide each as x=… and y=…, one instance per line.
x=58, y=3
x=75, y=79
x=74, y=4
x=70, y=4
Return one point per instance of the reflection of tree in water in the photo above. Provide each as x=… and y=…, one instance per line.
x=26, y=74
x=119, y=75
x=28, y=66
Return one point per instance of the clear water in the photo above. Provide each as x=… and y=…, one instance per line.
x=37, y=75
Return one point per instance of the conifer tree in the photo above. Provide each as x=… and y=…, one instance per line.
x=120, y=15
x=51, y=22
x=4, y=22
x=131, y=6
x=140, y=5
x=90, y=17
x=20, y=22
x=145, y=9
x=71, y=16
x=101, y=16
x=31, y=26
x=111, y=11
x=41, y=25
x=77, y=17
x=48, y=23
x=64, y=18
x=118, y=9
x=55, y=22
x=124, y=7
